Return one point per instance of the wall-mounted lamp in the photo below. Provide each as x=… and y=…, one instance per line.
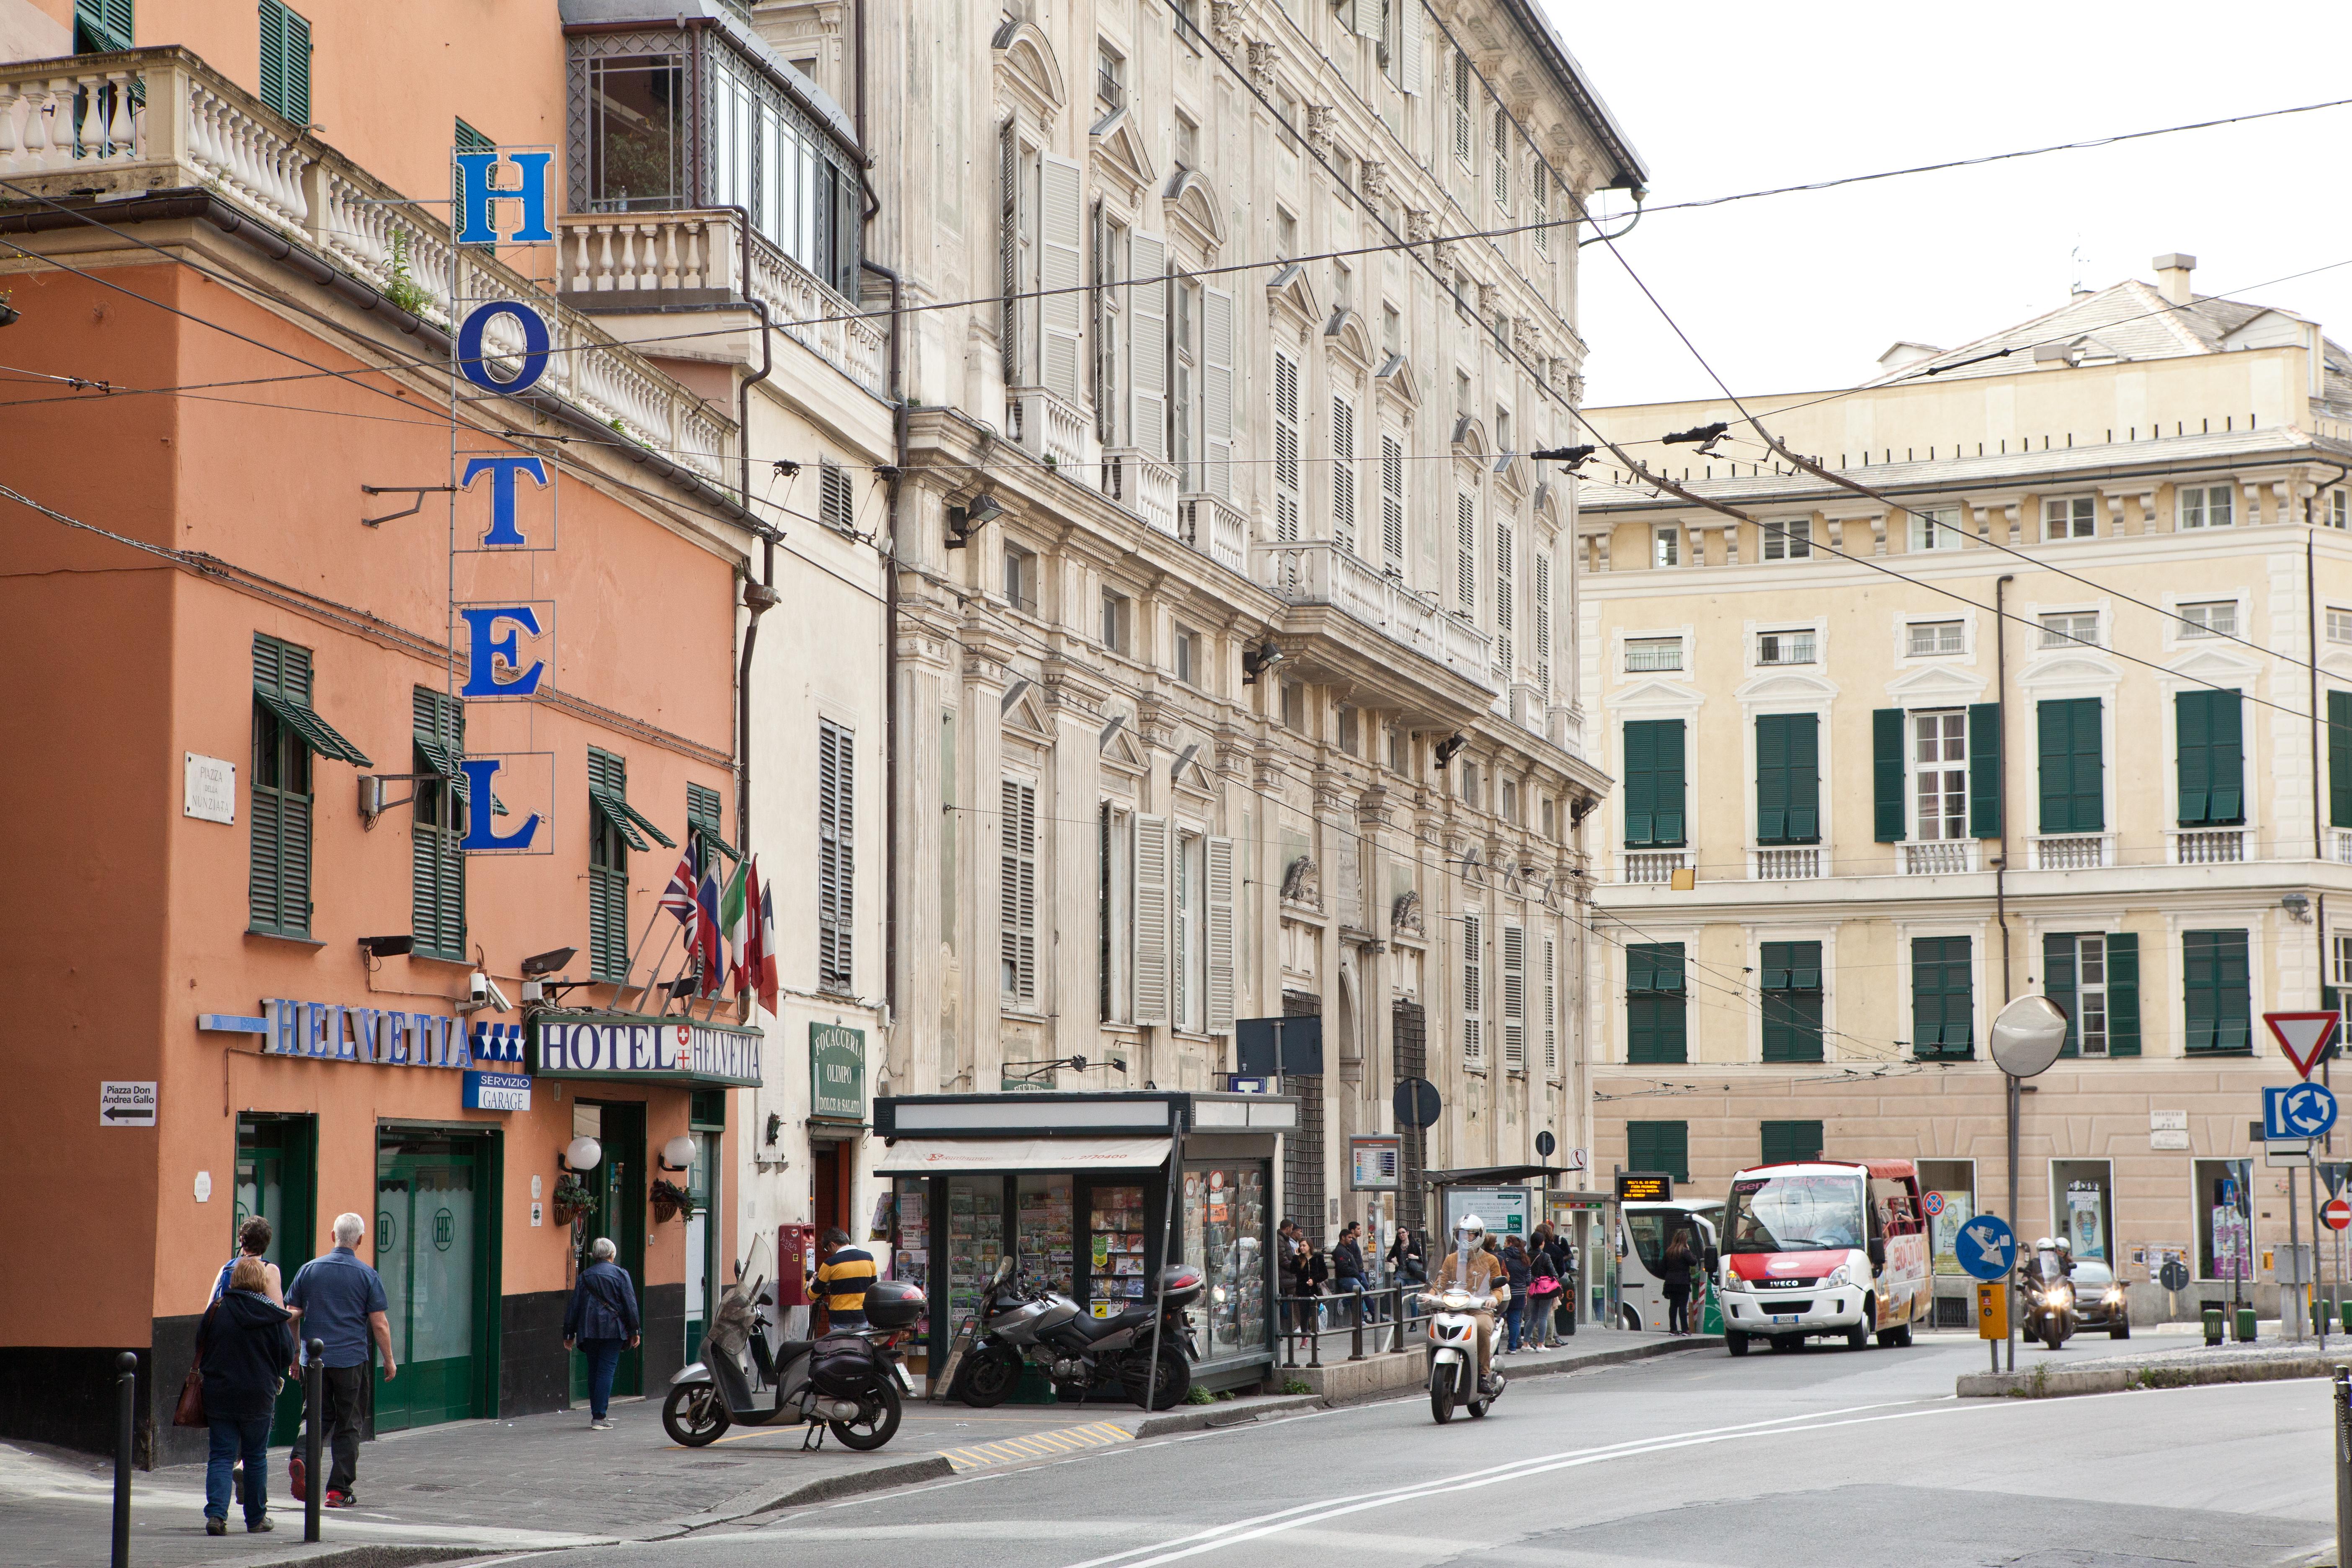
x=678, y=1154
x=387, y=946
x=583, y=1154
x=963, y=522
x=775, y=1126
x=541, y=964
x=1266, y=655
x=1444, y=750
x=2297, y=907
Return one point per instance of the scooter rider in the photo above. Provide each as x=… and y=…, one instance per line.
x=1471, y=1268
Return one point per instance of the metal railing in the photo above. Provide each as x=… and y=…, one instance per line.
x=1386, y=1321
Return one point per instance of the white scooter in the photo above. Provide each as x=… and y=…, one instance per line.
x=1453, y=1354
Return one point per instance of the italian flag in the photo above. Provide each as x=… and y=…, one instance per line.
x=734, y=926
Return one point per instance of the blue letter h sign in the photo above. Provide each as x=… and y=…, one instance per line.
x=475, y=223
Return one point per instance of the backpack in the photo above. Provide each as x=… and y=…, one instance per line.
x=844, y=1366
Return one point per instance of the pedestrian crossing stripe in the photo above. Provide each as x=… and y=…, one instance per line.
x=1036, y=1446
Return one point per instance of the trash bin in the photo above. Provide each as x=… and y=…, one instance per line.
x=2348, y=1316
x=2245, y=1325
x=2212, y=1325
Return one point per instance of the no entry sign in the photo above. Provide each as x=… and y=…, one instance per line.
x=2338, y=1214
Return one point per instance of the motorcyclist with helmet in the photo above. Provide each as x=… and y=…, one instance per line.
x=1471, y=1268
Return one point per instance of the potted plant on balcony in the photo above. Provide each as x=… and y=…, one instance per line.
x=573, y=1198
x=670, y=1201
x=7, y=310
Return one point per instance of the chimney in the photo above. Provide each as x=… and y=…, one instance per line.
x=2173, y=277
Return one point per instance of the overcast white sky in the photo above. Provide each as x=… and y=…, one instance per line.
x=1803, y=292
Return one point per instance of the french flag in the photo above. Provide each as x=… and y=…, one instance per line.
x=705, y=933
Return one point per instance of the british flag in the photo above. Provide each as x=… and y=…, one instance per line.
x=679, y=897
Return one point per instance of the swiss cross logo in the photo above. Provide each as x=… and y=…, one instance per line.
x=2303, y=1037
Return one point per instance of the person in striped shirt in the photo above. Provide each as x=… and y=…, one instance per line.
x=843, y=1274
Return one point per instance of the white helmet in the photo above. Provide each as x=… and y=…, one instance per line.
x=1470, y=1226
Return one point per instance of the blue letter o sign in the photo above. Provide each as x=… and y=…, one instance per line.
x=476, y=368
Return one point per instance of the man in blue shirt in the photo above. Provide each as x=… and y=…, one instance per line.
x=340, y=1302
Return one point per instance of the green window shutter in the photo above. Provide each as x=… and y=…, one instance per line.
x=608, y=868
x=2199, y=990
x=1788, y=778
x=101, y=27
x=2229, y=757
x=2072, y=764
x=1886, y=792
x=2214, y=983
x=266, y=878
x=1655, y=1018
x=1785, y=1141
x=1654, y=783
x=1659, y=1146
x=469, y=140
x=286, y=62
x=1792, y=983
x=437, y=832
x=1943, y=1000
x=2209, y=741
x=2058, y=983
x=278, y=878
x=1984, y=770
x=705, y=808
x=2339, y=758
x=2123, y=993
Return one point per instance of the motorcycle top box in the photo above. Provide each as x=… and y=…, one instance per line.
x=894, y=1304
x=1183, y=1283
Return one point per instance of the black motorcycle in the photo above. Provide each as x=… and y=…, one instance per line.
x=847, y=1381
x=1024, y=1325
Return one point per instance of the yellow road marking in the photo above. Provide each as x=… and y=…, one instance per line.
x=1035, y=1446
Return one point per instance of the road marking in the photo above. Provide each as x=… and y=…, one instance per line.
x=1035, y=1446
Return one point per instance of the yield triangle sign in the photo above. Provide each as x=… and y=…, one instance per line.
x=2301, y=1036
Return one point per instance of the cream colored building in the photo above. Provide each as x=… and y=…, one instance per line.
x=1856, y=809
x=1202, y=557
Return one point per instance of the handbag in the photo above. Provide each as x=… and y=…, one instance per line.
x=190, y=1411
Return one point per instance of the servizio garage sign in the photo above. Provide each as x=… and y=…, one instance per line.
x=619, y=1046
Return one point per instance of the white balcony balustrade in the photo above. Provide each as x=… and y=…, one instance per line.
x=1793, y=864
x=1143, y=485
x=1214, y=529
x=1939, y=857
x=2074, y=851
x=1656, y=866
x=2208, y=846
x=1048, y=430
x=1318, y=571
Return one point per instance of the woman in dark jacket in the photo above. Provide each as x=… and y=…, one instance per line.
x=1516, y=1270
x=603, y=1320
x=1406, y=1257
x=1675, y=1274
x=244, y=1346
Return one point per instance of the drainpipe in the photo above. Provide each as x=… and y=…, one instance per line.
x=894, y=480
x=758, y=598
x=2001, y=868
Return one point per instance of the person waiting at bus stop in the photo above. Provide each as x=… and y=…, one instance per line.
x=1470, y=1267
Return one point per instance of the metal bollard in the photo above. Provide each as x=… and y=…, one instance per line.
x=1356, y=1342
x=126, y=1413
x=2343, y=1463
x=314, y=1419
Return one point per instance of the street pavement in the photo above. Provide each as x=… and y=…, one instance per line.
x=1855, y=1458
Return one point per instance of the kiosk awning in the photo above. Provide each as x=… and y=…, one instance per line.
x=955, y=1156
x=1489, y=1175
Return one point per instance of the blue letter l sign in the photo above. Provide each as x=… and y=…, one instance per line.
x=481, y=833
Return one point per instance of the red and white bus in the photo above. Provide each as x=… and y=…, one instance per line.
x=1820, y=1247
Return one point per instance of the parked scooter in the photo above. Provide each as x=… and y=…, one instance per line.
x=1024, y=1325
x=847, y=1381
x=1453, y=1354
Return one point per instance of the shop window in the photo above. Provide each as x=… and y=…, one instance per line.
x=437, y=826
x=1117, y=1253
x=2081, y=1200
x=1659, y=1146
x=975, y=1225
x=1655, y=1003
x=1045, y=1236
x=1225, y=1232
x=1954, y=1184
x=1790, y=979
x=2224, y=1222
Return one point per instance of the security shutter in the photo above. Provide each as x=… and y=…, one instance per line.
x=836, y=861
x=1061, y=218
x=1147, y=345
x=1515, y=998
x=1343, y=474
x=1009, y=334
x=1285, y=447
x=436, y=824
x=1788, y=778
x=1221, y=936
x=1465, y=552
x=1017, y=893
x=1653, y=791
x=1474, y=1041
x=1152, y=865
x=1393, y=501
x=1887, y=813
x=1217, y=391
x=285, y=62
x=2073, y=766
x=2212, y=758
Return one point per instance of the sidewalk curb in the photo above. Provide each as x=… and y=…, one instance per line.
x=881, y=1478
x=2043, y=1383
x=391, y=1554
x=1214, y=1417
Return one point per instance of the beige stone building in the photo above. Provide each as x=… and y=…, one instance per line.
x=2048, y=717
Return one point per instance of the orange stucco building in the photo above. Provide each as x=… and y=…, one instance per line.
x=220, y=667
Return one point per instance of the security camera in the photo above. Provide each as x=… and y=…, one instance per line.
x=482, y=992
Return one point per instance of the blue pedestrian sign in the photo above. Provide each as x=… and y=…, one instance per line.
x=1986, y=1247
x=2302, y=1110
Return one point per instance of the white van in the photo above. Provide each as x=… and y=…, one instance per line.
x=1643, y=1231
x=1824, y=1247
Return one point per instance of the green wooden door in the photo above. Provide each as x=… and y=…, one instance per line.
x=276, y=1180
x=430, y=1239
x=618, y=1183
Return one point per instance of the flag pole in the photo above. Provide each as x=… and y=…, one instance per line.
x=643, y=937
x=652, y=970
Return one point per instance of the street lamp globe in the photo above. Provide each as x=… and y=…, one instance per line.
x=583, y=1154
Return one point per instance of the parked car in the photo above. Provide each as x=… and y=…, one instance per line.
x=2099, y=1301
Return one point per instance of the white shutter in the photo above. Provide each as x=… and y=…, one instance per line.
x=1008, y=246
x=1505, y=598
x=1364, y=18
x=1465, y=551
x=1017, y=892
x=1221, y=936
x=1392, y=500
x=1543, y=626
x=1409, y=26
x=1515, y=998
x=1539, y=178
x=1061, y=222
x=1147, y=345
x=1501, y=151
x=1285, y=447
x=1343, y=474
x=1217, y=391
x=1551, y=1008
x=1151, y=854
x=1462, y=108
x=1473, y=1045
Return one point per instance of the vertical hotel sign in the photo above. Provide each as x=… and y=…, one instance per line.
x=502, y=636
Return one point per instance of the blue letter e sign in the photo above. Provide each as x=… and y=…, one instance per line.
x=489, y=650
x=481, y=832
